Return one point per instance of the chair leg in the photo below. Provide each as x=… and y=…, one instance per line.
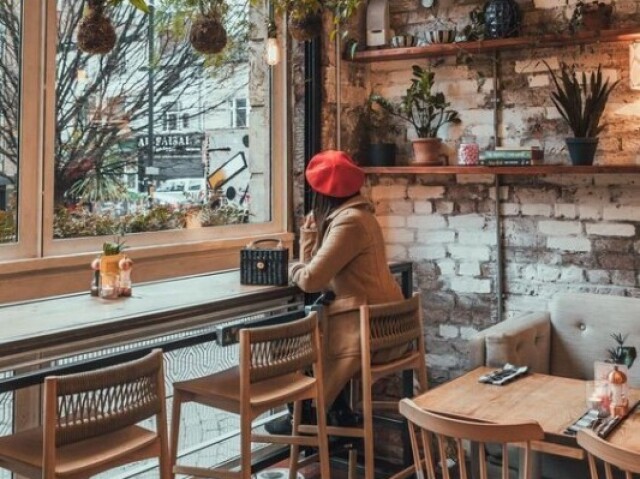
x=175, y=431
x=323, y=438
x=367, y=413
x=295, y=448
x=245, y=446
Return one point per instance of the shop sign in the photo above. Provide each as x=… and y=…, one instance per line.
x=173, y=143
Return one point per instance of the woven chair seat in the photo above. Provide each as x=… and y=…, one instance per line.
x=25, y=447
x=222, y=390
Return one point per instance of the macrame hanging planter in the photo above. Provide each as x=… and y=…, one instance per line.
x=208, y=34
x=96, y=34
x=306, y=27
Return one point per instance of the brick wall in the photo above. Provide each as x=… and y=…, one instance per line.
x=559, y=233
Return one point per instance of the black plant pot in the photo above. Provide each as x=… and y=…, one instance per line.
x=501, y=19
x=582, y=150
x=381, y=154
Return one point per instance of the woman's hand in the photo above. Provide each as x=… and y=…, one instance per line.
x=309, y=222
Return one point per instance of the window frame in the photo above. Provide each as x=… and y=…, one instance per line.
x=37, y=250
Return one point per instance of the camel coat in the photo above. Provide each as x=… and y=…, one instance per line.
x=351, y=262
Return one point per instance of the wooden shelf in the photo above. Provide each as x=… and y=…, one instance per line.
x=484, y=46
x=503, y=170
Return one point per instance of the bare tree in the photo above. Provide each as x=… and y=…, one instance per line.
x=100, y=100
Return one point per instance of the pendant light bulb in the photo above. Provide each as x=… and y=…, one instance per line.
x=272, y=47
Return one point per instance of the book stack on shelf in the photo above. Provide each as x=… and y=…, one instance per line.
x=512, y=157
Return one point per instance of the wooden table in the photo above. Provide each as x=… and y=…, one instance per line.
x=554, y=402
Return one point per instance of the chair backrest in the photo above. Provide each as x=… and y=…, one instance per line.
x=623, y=459
x=448, y=430
x=392, y=325
x=84, y=405
x=271, y=351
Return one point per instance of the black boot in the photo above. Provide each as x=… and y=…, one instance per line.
x=284, y=425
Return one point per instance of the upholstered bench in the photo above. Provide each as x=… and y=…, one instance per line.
x=566, y=340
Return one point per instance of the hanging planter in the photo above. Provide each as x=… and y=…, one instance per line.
x=306, y=27
x=96, y=34
x=502, y=19
x=208, y=35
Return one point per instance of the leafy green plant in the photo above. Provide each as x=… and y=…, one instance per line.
x=342, y=11
x=621, y=354
x=424, y=110
x=115, y=247
x=7, y=226
x=581, y=99
x=378, y=123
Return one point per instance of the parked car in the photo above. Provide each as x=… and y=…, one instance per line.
x=179, y=191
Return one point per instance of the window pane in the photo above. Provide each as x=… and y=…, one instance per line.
x=114, y=173
x=10, y=65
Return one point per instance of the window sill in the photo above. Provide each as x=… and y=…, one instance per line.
x=42, y=277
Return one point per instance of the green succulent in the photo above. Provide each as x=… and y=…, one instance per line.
x=112, y=248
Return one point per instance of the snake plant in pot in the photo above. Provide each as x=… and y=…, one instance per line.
x=581, y=100
x=427, y=112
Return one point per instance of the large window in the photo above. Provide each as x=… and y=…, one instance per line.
x=10, y=73
x=148, y=118
x=130, y=142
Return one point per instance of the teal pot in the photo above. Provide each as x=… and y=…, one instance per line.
x=582, y=150
x=381, y=154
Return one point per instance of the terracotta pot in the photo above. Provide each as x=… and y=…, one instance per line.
x=426, y=152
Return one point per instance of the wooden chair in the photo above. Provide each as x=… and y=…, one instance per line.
x=625, y=460
x=273, y=361
x=89, y=423
x=444, y=427
x=385, y=329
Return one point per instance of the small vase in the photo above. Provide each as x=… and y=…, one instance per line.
x=582, y=150
x=501, y=19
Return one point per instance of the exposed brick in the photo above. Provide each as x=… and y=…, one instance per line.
x=419, y=192
x=468, y=332
x=430, y=222
x=449, y=331
x=589, y=212
x=510, y=209
x=422, y=207
x=621, y=213
x=462, y=222
x=567, y=211
x=611, y=261
x=623, y=278
x=469, y=285
x=599, y=276
x=479, y=253
x=548, y=273
x=477, y=237
x=611, y=229
x=396, y=252
x=444, y=207
x=469, y=269
x=447, y=267
x=431, y=237
x=560, y=228
x=572, y=274
x=394, y=192
x=569, y=243
x=427, y=252
x=536, y=210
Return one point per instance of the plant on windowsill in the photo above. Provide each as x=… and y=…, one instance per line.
x=427, y=112
x=111, y=256
x=96, y=34
x=581, y=100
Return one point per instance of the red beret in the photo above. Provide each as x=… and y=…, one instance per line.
x=333, y=173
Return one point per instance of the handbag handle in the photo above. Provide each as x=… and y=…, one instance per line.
x=254, y=244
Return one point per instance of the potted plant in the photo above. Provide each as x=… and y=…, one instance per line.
x=96, y=34
x=427, y=112
x=621, y=354
x=380, y=133
x=581, y=100
x=591, y=16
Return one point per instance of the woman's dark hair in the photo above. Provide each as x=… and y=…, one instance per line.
x=322, y=206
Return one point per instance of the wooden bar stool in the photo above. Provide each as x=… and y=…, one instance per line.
x=273, y=362
x=89, y=423
x=625, y=460
x=385, y=331
x=444, y=427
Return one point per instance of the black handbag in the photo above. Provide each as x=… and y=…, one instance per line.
x=264, y=266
